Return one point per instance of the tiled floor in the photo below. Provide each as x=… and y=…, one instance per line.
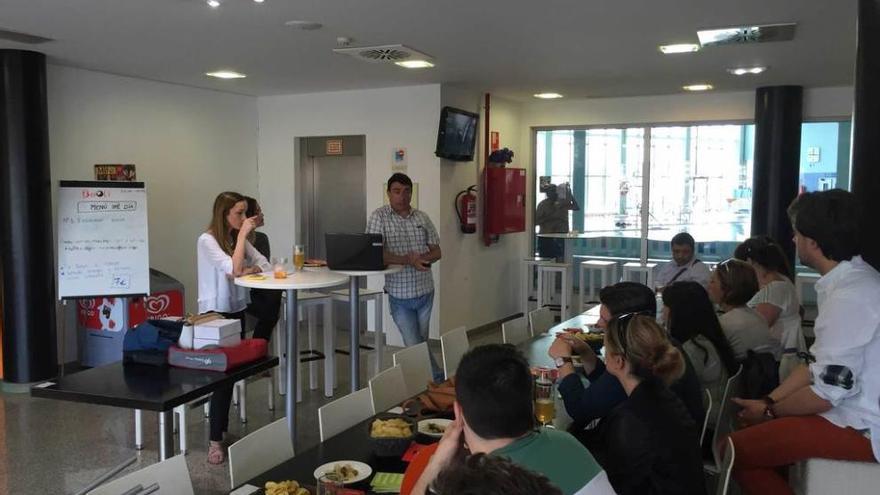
x=49, y=446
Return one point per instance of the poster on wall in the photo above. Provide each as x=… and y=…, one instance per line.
x=415, y=194
x=398, y=160
x=117, y=172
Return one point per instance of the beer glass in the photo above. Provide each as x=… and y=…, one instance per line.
x=299, y=257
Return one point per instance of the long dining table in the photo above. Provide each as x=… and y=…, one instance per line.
x=354, y=443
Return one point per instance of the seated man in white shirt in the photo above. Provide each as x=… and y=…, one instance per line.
x=828, y=409
x=684, y=265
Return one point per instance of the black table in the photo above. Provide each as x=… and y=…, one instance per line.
x=138, y=386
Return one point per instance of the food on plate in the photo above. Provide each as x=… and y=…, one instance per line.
x=312, y=262
x=592, y=337
x=573, y=330
x=255, y=276
x=390, y=428
x=435, y=428
x=344, y=472
x=287, y=487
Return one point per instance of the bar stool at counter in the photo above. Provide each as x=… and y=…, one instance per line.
x=607, y=271
x=528, y=270
x=564, y=270
x=644, y=272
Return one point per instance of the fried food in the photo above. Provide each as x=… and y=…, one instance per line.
x=345, y=472
x=390, y=428
x=255, y=276
x=287, y=487
x=591, y=336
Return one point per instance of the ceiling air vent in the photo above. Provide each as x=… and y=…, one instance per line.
x=738, y=35
x=17, y=37
x=383, y=53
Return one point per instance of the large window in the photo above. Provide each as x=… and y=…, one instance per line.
x=700, y=180
x=825, y=148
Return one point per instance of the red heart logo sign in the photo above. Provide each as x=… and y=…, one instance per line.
x=156, y=305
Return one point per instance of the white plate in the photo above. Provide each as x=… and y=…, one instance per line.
x=364, y=470
x=423, y=426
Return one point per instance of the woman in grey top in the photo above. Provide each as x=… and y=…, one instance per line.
x=731, y=286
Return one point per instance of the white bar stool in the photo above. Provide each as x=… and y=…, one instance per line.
x=607, y=271
x=645, y=273
x=528, y=271
x=554, y=268
x=374, y=296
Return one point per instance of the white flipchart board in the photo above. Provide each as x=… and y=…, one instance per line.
x=103, y=247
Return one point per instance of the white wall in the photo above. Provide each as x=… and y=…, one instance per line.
x=483, y=282
x=390, y=117
x=188, y=144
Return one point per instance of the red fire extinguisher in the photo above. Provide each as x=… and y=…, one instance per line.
x=466, y=207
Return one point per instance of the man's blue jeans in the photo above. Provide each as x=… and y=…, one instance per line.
x=412, y=317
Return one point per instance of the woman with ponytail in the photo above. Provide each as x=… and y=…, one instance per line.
x=650, y=444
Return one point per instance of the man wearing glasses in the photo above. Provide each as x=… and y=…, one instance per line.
x=830, y=408
x=684, y=265
x=410, y=240
x=586, y=404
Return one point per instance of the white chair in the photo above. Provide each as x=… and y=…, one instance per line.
x=607, y=271
x=824, y=476
x=172, y=475
x=725, y=422
x=528, y=271
x=726, y=468
x=454, y=345
x=415, y=363
x=540, y=320
x=345, y=412
x=388, y=389
x=179, y=416
x=644, y=272
x=515, y=331
x=259, y=451
x=374, y=297
x=546, y=289
x=708, y=413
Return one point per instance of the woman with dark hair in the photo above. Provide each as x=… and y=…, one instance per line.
x=733, y=284
x=691, y=320
x=649, y=443
x=777, y=300
x=265, y=304
x=223, y=253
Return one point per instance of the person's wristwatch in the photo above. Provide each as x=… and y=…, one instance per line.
x=768, y=408
x=561, y=361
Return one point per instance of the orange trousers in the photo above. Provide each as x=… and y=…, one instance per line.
x=764, y=451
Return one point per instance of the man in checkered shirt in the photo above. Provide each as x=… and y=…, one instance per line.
x=410, y=240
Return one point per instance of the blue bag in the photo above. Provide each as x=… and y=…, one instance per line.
x=148, y=342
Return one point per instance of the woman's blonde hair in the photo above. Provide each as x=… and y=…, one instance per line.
x=643, y=343
x=219, y=226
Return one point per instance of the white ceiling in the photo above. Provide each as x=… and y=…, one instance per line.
x=513, y=48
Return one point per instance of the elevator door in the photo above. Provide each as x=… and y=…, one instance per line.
x=333, y=192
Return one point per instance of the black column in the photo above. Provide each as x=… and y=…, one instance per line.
x=866, y=128
x=778, y=116
x=29, y=345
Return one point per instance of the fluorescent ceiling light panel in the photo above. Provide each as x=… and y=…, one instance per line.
x=415, y=64
x=548, y=96
x=213, y=3
x=697, y=87
x=746, y=71
x=679, y=48
x=226, y=74
x=735, y=35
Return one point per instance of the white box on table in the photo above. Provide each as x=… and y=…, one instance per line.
x=217, y=329
x=228, y=341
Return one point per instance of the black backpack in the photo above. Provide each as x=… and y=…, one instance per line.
x=760, y=374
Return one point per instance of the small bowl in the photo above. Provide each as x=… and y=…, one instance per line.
x=392, y=446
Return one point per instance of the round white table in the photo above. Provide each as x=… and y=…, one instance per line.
x=316, y=279
x=354, y=300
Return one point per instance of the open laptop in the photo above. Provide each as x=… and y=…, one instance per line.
x=354, y=251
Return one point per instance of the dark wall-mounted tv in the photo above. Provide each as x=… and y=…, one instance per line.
x=458, y=134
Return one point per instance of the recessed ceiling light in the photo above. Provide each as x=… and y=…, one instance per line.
x=679, y=48
x=744, y=71
x=226, y=74
x=259, y=1
x=547, y=96
x=697, y=87
x=213, y=3
x=304, y=25
x=415, y=64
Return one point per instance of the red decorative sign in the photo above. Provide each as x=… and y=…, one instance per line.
x=126, y=173
x=155, y=306
x=494, y=141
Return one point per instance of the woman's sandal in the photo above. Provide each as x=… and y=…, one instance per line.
x=216, y=453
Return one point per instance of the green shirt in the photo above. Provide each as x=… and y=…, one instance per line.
x=561, y=458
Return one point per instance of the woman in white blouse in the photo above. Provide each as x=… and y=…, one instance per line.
x=223, y=253
x=732, y=285
x=777, y=300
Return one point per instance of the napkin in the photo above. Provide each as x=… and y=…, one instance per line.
x=387, y=482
